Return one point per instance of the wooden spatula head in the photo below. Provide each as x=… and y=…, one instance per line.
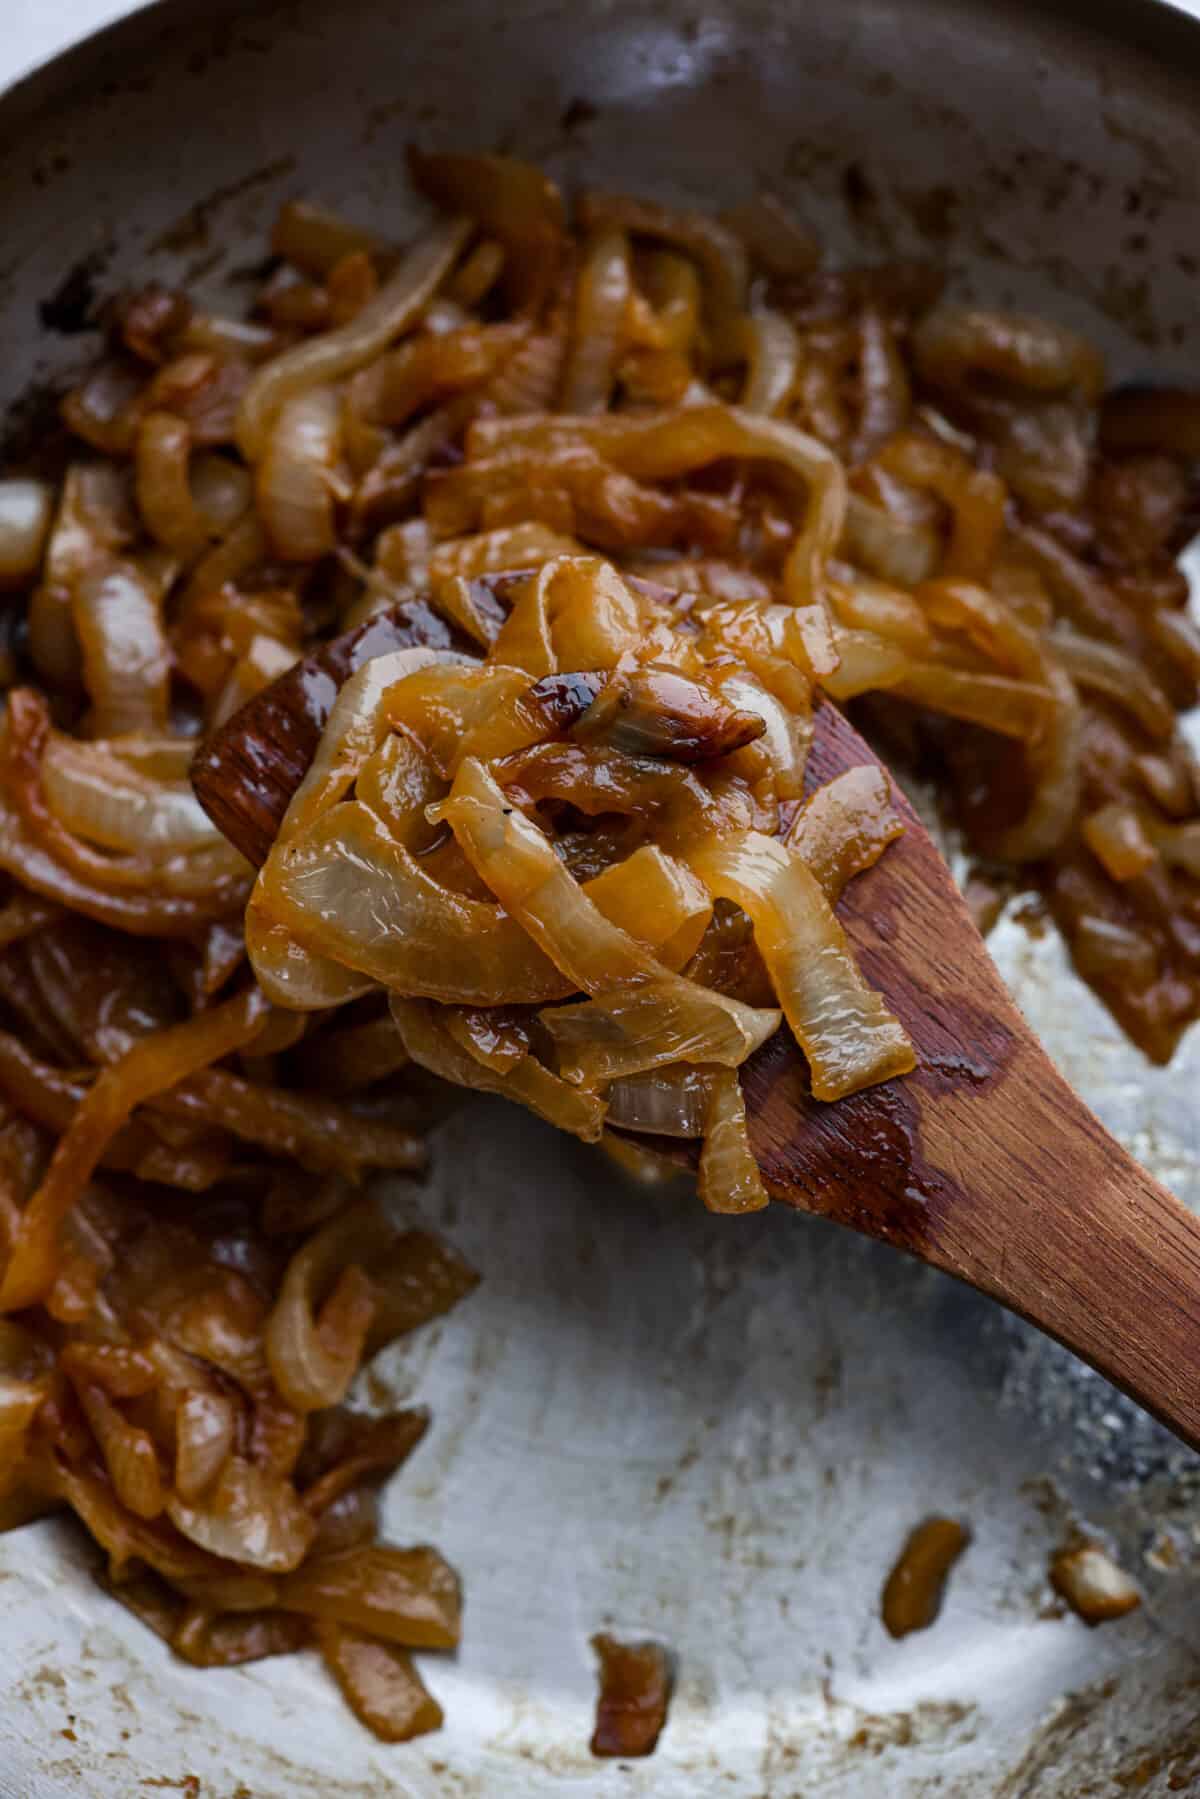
x=983, y=1162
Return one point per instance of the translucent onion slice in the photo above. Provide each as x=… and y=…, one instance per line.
x=20, y=1402
x=348, y=892
x=517, y=862
x=866, y=664
x=471, y=606
x=998, y=703
x=155, y=1063
x=1102, y=668
x=728, y=1178
x=129, y=1453
x=888, y=547
x=845, y=828
x=719, y=253
x=650, y=884
x=511, y=200
x=602, y=292
x=250, y=1516
x=849, y=1036
x=380, y=1684
x=294, y=485
x=405, y=1596
x=954, y=343
x=632, y=1030
x=315, y=239
x=1055, y=760
x=292, y=976
x=457, y=711
x=165, y=500
x=318, y=1327
x=532, y=1085
x=26, y=509
x=397, y=784
x=1116, y=837
x=491, y=552
x=863, y=603
x=98, y=795
x=668, y=1102
x=355, y=728
x=117, y=611
x=204, y=1439
x=94, y=521
x=335, y=354
x=592, y=616
x=772, y=350
x=523, y=640
x=785, y=743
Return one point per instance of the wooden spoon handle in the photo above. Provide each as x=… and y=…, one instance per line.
x=984, y=1162
x=1051, y=1217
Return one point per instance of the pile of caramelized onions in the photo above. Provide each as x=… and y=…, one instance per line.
x=649, y=484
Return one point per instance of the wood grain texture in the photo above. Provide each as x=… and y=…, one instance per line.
x=983, y=1162
x=246, y=773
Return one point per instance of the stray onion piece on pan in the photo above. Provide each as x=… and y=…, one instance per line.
x=651, y=484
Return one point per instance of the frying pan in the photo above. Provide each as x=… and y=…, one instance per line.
x=710, y=1431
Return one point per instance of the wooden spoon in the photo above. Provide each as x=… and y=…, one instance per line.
x=983, y=1162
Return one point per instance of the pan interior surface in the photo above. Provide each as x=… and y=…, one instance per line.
x=717, y=1433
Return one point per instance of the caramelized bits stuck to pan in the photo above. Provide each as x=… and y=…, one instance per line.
x=647, y=489
x=912, y=1595
x=1096, y=1589
x=635, y=1691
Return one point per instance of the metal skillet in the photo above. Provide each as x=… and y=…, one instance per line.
x=715, y=1434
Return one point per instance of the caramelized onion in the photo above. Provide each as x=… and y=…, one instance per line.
x=405, y=1596
x=338, y=353
x=575, y=867
x=728, y=1179
x=295, y=489
x=379, y=1681
x=602, y=294
x=204, y=1433
x=250, y=1517
x=26, y=508
x=431, y=1045
x=98, y=795
x=517, y=862
x=149, y=1067
x=670, y=1102
x=164, y=493
x=314, y=1349
x=772, y=361
x=850, y=1038
x=1105, y=669
x=126, y=660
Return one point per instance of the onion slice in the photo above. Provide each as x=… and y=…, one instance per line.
x=97, y=794
x=430, y=1044
x=313, y=1342
x=152, y=1065
x=728, y=1176
x=294, y=485
x=335, y=354
x=126, y=658
x=849, y=1036
x=602, y=293
x=380, y=1683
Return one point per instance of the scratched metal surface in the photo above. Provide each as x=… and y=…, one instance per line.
x=716, y=1433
